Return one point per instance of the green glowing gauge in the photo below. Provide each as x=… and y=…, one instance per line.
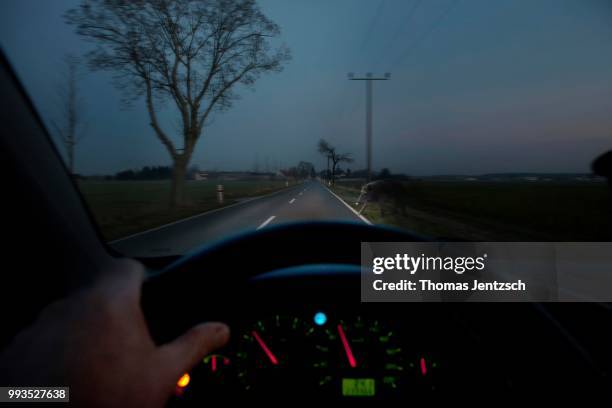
x=359, y=358
x=270, y=354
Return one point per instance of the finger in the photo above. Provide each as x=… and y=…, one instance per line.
x=185, y=352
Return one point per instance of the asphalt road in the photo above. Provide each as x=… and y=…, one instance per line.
x=304, y=202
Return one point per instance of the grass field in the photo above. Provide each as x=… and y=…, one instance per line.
x=498, y=211
x=122, y=208
x=478, y=211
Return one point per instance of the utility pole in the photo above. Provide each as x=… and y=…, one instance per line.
x=369, y=77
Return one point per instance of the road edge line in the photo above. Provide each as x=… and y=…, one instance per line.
x=248, y=200
x=364, y=219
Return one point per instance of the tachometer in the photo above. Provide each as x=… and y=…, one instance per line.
x=270, y=354
x=266, y=358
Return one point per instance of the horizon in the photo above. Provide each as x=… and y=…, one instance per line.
x=375, y=172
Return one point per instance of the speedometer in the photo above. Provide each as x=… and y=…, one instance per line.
x=359, y=358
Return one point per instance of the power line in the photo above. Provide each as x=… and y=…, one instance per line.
x=377, y=14
x=427, y=33
x=373, y=21
x=400, y=28
x=411, y=13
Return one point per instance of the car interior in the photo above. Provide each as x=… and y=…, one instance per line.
x=290, y=294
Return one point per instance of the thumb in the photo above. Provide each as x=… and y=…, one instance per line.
x=185, y=352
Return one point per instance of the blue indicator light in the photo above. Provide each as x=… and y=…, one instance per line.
x=320, y=318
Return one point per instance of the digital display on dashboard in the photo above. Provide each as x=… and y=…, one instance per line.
x=358, y=387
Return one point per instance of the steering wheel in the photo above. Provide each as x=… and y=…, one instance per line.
x=175, y=297
x=273, y=268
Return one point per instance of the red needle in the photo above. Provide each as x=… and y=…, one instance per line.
x=347, y=347
x=423, y=366
x=265, y=348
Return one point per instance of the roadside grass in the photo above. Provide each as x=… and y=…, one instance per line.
x=122, y=208
x=486, y=211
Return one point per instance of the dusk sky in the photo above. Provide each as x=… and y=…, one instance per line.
x=478, y=86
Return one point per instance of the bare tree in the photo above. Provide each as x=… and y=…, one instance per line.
x=69, y=128
x=333, y=156
x=189, y=52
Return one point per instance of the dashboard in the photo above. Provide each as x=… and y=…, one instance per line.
x=382, y=352
x=328, y=351
x=292, y=346
x=299, y=330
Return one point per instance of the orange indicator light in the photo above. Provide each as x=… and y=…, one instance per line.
x=183, y=381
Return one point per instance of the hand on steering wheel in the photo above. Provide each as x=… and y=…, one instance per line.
x=97, y=343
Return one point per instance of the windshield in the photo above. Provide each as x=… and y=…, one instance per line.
x=185, y=122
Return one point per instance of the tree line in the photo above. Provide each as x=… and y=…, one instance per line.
x=303, y=170
x=145, y=173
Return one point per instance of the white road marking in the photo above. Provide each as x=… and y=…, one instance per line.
x=292, y=200
x=266, y=222
x=243, y=202
x=364, y=219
